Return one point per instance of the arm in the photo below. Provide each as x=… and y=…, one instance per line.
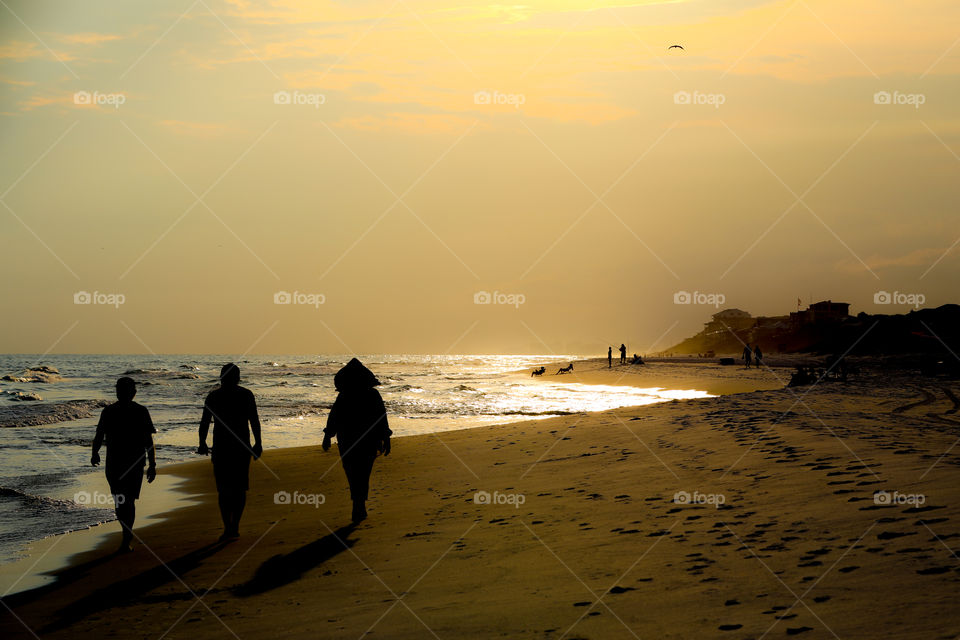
x=97, y=442
x=255, y=428
x=331, y=429
x=152, y=458
x=204, y=427
x=383, y=425
x=151, y=450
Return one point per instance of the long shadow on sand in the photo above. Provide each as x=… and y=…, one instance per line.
x=131, y=589
x=285, y=568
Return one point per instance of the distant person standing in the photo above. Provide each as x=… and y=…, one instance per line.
x=757, y=355
x=233, y=410
x=746, y=355
x=128, y=430
x=623, y=354
x=358, y=419
x=609, y=357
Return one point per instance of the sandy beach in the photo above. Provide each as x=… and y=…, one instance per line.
x=741, y=516
x=703, y=374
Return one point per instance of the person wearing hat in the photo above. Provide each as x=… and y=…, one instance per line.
x=233, y=410
x=358, y=419
x=128, y=431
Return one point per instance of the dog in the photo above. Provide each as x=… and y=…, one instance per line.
x=538, y=372
x=566, y=369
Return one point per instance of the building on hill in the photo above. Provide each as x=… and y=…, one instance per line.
x=724, y=326
x=821, y=312
x=728, y=319
x=730, y=314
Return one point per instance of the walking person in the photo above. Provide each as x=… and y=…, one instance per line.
x=358, y=419
x=233, y=410
x=128, y=431
x=623, y=354
x=609, y=357
x=757, y=355
x=746, y=355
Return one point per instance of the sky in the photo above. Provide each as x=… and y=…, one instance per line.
x=232, y=176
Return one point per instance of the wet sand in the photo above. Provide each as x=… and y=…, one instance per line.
x=742, y=516
x=675, y=373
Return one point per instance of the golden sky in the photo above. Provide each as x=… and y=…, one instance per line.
x=388, y=161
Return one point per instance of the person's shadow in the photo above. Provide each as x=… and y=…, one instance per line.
x=128, y=590
x=283, y=569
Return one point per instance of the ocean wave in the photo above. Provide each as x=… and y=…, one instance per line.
x=8, y=492
x=163, y=373
x=305, y=410
x=21, y=396
x=466, y=389
x=403, y=387
x=524, y=412
x=33, y=415
x=41, y=373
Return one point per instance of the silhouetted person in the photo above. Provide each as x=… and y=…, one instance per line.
x=128, y=430
x=746, y=355
x=757, y=355
x=358, y=419
x=623, y=354
x=609, y=357
x=234, y=413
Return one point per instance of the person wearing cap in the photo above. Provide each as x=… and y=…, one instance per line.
x=358, y=419
x=128, y=431
x=233, y=410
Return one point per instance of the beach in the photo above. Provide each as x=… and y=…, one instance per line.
x=823, y=511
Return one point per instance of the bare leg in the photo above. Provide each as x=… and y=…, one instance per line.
x=223, y=499
x=126, y=514
x=239, y=502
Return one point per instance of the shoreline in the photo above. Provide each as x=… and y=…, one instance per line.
x=798, y=512
x=701, y=374
x=51, y=555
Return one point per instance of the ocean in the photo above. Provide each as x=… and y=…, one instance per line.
x=49, y=406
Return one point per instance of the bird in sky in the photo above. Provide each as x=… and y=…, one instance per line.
x=675, y=46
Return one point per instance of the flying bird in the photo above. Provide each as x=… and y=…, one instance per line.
x=675, y=46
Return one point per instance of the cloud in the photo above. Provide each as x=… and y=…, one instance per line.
x=916, y=258
x=17, y=83
x=195, y=129
x=89, y=38
x=37, y=101
x=20, y=51
x=413, y=123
